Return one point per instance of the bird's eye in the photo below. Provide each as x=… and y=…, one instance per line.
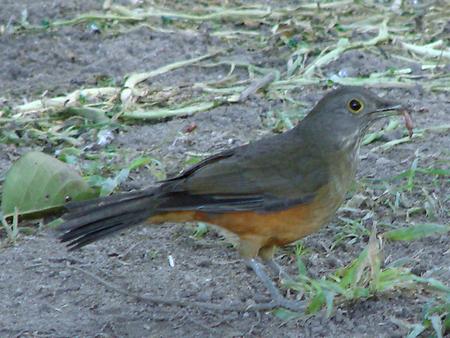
x=355, y=105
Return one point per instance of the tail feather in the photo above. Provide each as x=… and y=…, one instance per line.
x=95, y=226
x=91, y=220
x=77, y=209
x=105, y=229
x=105, y=212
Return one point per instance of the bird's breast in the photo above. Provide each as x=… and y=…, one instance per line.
x=342, y=172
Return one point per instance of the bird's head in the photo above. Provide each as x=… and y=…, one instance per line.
x=342, y=116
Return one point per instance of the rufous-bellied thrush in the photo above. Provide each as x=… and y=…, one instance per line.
x=271, y=192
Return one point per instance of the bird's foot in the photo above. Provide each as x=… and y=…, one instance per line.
x=278, y=300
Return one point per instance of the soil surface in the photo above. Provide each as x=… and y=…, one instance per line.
x=46, y=291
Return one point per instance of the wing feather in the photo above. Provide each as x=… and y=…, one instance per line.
x=271, y=174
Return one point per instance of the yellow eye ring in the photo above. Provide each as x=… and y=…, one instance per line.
x=355, y=106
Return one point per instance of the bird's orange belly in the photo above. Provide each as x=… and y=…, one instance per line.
x=274, y=228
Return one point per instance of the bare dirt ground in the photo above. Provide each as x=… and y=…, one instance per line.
x=45, y=290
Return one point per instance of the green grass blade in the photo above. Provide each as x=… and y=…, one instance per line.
x=436, y=323
x=157, y=114
x=416, y=232
x=418, y=329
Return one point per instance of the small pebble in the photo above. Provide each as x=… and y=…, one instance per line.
x=104, y=137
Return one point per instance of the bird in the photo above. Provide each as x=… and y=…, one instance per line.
x=270, y=193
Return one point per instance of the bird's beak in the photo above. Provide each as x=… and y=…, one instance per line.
x=386, y=108
x=389, y=107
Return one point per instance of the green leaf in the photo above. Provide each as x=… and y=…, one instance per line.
x=329, y=299
x=285, y=314
x=436, y=322
x=433, y=283
x=434, y=171
x=412, y=174
x=192, y=159
x=351, y=273
x=418, y=329
x=302, y=270
x=360, y=292
x=55, y=223
x=393, y=277
x=110, y=184
x=139, y=162
x=447, y=323
x=200, y=230
x=416, y=232
x=69, y=155
x=39, y=184
x=318, y=301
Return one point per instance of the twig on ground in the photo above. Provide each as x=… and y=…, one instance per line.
x=428, y=50
x=258, y=84
x=127, y=93
x=179, y=302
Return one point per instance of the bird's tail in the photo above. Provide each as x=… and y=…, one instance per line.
x=88, y=221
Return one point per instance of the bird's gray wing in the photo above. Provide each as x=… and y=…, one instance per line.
x=268, y=175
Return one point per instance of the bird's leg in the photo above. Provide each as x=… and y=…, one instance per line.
x=266, y=254
x=253, y=246
x=278, y=270
x=277, y=298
